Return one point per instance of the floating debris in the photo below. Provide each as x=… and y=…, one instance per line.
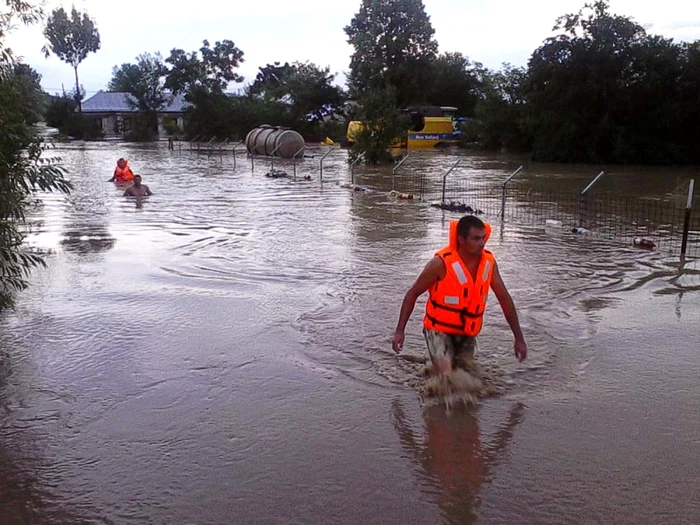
x=277, y=174
x=580, y=231
x=355, y=187
x=457, y=206
x=645, y=244
x=400, y=196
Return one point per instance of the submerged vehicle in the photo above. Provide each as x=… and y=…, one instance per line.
x=431, y=126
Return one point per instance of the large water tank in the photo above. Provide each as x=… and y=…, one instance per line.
x=266, y=139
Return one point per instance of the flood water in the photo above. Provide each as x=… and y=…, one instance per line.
x=220, y=353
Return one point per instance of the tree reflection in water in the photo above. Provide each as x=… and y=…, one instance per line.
x=84, y=239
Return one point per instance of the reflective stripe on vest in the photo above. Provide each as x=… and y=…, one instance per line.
x=459, y=272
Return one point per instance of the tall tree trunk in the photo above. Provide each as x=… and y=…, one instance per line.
x=78, y=96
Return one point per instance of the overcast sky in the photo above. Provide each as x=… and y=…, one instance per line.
x=488, y=31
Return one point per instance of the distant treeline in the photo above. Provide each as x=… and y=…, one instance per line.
x=601, y=91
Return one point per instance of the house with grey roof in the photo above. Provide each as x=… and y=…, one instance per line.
x=115, y=113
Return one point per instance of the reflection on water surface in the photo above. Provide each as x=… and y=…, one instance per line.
x=220, y=352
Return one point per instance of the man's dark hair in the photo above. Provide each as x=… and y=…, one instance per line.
x=468, y=222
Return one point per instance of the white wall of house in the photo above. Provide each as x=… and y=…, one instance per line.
x=107, y=121
x=116, y=124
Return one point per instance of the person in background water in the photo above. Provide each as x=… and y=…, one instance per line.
x=122, y=173
x=137, y=189
x=458, y=280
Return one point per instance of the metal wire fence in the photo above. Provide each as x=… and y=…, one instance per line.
x=647, y=222
x=660, y=222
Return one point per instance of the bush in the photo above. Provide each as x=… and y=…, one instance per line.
x=61, y=114
x=145, y=127
x=383, y=126
x=23, y=172
x=59, y=110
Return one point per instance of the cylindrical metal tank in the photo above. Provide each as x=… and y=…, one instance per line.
x=266, y=139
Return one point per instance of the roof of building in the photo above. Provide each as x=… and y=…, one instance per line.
x=118, y=102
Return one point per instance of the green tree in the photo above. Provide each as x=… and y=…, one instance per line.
x=60, y=110
x=270, y=78
x=306, y=88
x=382, y=124
x=145, y=80
x=501, y=111
x=29, y=82
x=229, y=116
x=211, y=68
x=299, y=96
x=573, y=84
x=23, y=170
x=646, y=116
x=455, y=81
x=393, y=47
x=61, y=114
x=71, y=39
x=604, y=91
x=689, y=100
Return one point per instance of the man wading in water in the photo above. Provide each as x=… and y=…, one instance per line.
x=458, y=280
x=137, y=189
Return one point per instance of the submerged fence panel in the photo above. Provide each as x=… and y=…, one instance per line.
x=645, y=221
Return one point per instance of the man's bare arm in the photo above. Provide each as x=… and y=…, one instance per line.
x=433, y=272
x=509, y=311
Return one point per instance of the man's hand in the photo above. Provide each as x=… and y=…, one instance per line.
x=520, y=350
x=397, y=342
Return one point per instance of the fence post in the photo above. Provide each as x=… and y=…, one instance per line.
x=330, y=150
x=686, y=224
x=444, y=179
x=224, y=143
x=352, y=167
x=294, y=158
x=234, y=152
x=583, y=197
x=393, y=170
x=503, y=199
x=272, y=158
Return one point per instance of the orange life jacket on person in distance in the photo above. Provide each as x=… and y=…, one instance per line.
x=123, y=174
x=457, y=302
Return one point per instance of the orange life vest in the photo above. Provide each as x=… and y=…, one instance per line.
x=457, y=302
x=124, y=174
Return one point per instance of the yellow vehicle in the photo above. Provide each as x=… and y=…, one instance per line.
x=353, y=128
x=431, y=126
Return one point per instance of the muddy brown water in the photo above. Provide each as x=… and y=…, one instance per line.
x=220, y=353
